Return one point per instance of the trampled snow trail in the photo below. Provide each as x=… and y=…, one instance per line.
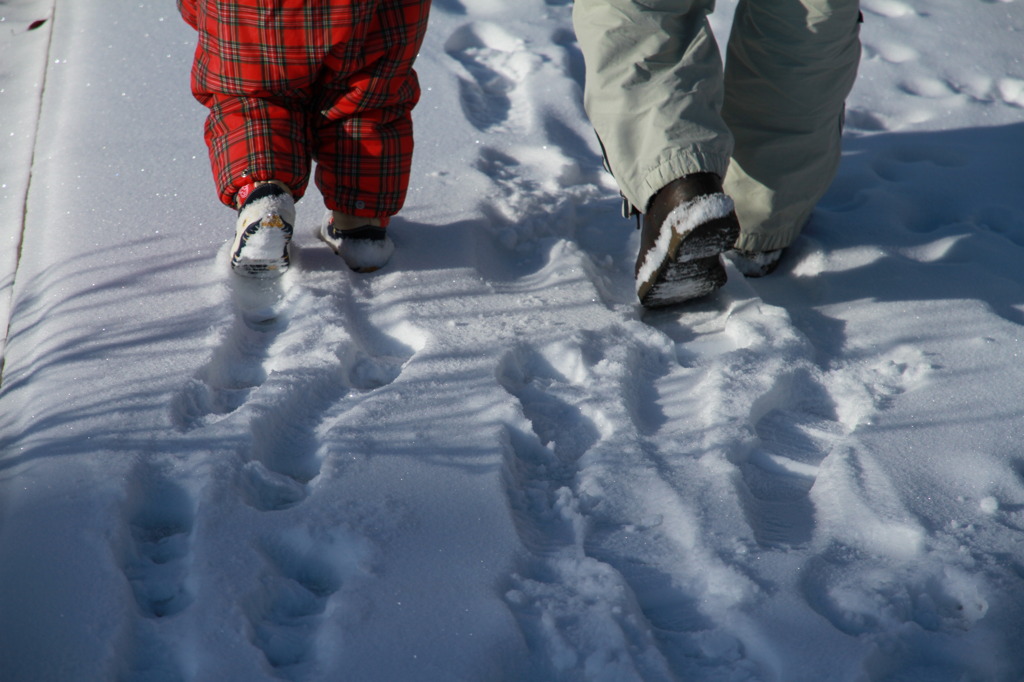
x=485, y=462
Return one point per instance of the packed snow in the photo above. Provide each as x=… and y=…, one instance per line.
x=485, y=461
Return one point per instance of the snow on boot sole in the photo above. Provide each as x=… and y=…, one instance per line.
x=685, y=281
x=685, y=261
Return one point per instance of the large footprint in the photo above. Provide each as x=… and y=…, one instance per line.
x=792, y=441
x=496, y=63
x=613, y=558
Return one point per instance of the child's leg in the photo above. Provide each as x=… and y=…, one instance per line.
x=252, y=71
x=361, y=119
x=252, y=140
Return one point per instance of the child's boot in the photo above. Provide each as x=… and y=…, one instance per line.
x=363, y=243
x=266, y=214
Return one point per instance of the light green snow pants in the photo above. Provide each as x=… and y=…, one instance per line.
x=770, y=122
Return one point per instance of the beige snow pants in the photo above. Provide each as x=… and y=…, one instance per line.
x=769, y=122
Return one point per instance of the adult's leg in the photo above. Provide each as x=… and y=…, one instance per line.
x=790, y=65
x=653, y=90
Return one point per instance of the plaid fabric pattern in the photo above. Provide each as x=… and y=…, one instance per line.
x=289, y=82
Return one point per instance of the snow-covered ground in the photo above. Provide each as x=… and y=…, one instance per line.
x=485, y=462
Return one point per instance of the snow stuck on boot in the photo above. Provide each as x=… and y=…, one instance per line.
x=263, y=233
x=677, y=256
x=364, y=249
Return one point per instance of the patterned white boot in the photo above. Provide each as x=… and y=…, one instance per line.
x=263, y=231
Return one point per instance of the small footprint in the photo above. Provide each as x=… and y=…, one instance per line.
x=281, y=379
x=236, y=368
x=904, y=369
x=895, y=53
x=902, y=163
x=306, y=569
x=862, y=597
x=1011, y=90
x=862, y=119
x=928, y=87
x=1007, y=221
x=285, y=451
x=160, y=520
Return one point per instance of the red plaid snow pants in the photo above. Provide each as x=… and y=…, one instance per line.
x=288, y=82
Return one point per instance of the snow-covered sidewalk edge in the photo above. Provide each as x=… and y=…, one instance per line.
x=25, y=34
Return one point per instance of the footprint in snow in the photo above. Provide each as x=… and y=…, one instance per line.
x=288, y=419
x=496, y=63
x=160, y=519
x=903, y=163
x=281, y=377
x=899, y=609
x=890, y=9
x=237, y=366
x=541, y=460
x=306, y=571
x=584, y=594
x=779, y=473
x=549, y=398
x=860, y=599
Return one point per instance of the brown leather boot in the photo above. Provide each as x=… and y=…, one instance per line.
x=688, y=225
